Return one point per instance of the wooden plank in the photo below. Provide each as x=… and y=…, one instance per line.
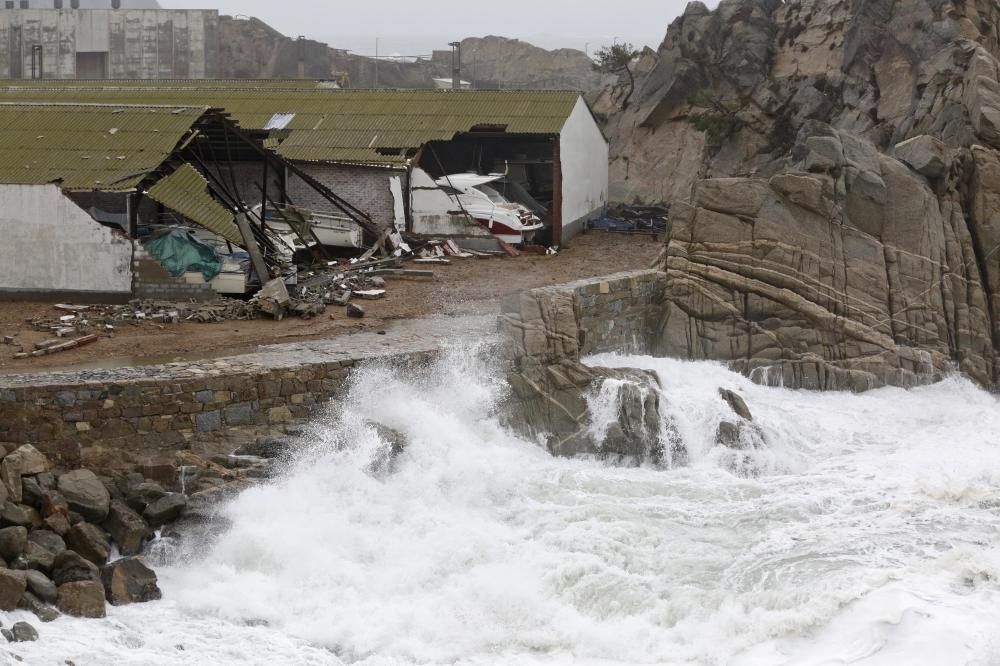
x=64, y=346
x=508, y=249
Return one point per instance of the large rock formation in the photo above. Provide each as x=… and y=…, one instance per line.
x=834, y=172
x=252, y=49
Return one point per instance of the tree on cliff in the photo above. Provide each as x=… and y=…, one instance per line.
x=617, y=59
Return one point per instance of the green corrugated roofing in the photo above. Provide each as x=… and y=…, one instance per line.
x=334, y=125
x=186, y=192
x=84, y=147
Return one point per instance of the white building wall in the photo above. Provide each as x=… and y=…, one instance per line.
x=53, y=249
x=584, y=156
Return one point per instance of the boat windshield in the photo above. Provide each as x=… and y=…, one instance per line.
x=493, y=195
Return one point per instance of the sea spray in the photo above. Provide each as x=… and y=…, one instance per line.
x=868, y=539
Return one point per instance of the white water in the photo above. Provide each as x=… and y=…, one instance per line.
x=869, y=538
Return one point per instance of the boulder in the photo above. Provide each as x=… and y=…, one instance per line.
x=31, y=492
x=20, y=514
x=165, y=509
x=23, y=461
x=737, y=404
x=40, y=585
x=52, y=502
x=12, y=542
x=37, y=557
x=43, y=611
x=127, y=528
x=23, y=632
x=82, y=599
x=90, y=541
x=12, y=587
x=71, y=567
x=85, y=494
x=58, y=523
x=143, y=494
x=129, y=580
x=48, y=540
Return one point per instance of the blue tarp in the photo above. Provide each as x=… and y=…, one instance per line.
x=179, y=252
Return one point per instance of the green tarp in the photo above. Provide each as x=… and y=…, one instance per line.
x=179, y=252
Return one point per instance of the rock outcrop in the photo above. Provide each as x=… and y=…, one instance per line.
x=252, y=50
x=834, y=175
x=555, y=396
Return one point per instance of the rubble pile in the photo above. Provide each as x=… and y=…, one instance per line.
x=61, y=530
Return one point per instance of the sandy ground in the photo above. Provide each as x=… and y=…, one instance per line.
x=466, y=286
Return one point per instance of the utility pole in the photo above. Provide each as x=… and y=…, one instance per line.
x=456, y=65
x=376, y=62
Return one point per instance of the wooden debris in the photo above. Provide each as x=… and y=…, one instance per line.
x=70, y=308
x=45, y=344
x=508, y=249
x=401, y=273
x=64, y=346
x=432, y=260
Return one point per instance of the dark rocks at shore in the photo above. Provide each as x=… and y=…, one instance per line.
x=129, y=580
x=58, y=530
x=82, y=599
x=90, y=541
x=22, y=632
x=85, y=494
x=164, y=510
x=127, y=528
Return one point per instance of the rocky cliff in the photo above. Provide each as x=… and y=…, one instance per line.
x=251, y=49
x=834, y=172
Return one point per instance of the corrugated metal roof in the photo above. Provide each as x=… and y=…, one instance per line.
x=87, y=147
x=186, y=192
x=336, y=125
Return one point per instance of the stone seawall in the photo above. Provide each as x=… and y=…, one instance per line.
x=150, y=412
x=549, y=330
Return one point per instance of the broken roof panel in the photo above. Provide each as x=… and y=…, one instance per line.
x=186, y=192
x=336, y=125
x=85, y=147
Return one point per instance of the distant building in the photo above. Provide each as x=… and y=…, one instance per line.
x=126, y=39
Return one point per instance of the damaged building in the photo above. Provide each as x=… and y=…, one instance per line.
x=81, y=184
x=446, y=163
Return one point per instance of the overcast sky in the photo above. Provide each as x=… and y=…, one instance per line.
x=414, y=27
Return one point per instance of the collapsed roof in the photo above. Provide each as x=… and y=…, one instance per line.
x=312, y=123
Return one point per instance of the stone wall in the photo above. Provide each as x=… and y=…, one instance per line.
x=152, y=412
x=548, y=331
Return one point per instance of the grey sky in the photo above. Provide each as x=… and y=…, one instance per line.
x=405, y=27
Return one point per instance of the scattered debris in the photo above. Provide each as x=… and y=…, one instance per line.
x=54, y=349
x=273, y=298
x=8, y=339
x=634, y=220
x=355, y=311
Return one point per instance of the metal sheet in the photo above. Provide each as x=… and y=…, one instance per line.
x=186, y=192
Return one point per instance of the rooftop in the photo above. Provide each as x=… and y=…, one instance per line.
x=87, y=146
x=329, y=125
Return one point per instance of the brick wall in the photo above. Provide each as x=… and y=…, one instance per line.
x=151, y=280
x=364, y=187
